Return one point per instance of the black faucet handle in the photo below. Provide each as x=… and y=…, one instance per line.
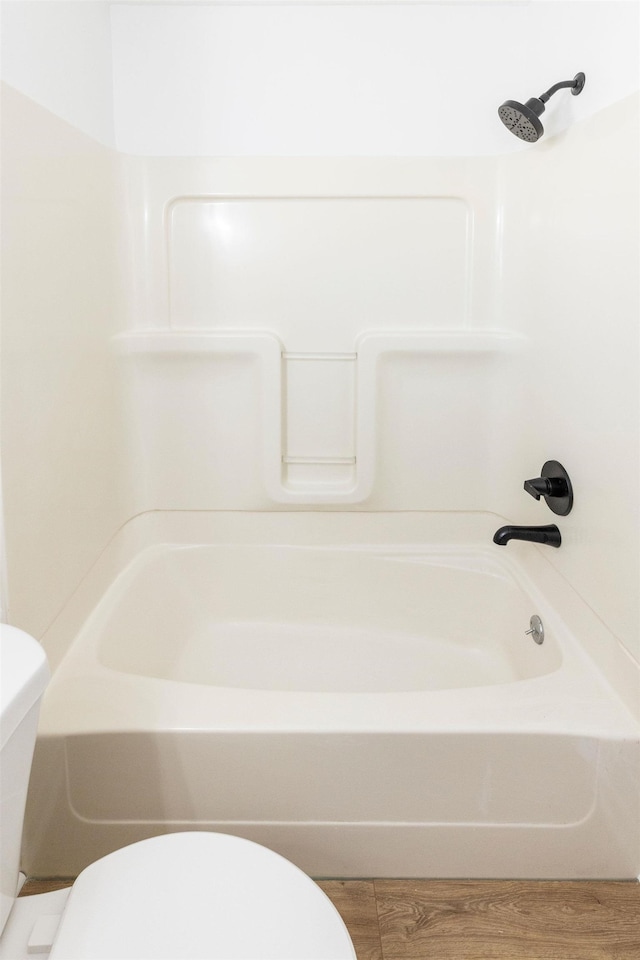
x=546, y=487
x=554, y=485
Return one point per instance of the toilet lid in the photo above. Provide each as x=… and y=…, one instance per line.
x=191, y=896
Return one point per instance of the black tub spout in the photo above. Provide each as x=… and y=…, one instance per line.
x=548, y=534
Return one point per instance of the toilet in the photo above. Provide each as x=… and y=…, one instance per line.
x=179, y=896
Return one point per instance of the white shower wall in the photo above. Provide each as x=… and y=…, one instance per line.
x=272, y=326
x=423, y=277
x=570, y=282
x=62, y=467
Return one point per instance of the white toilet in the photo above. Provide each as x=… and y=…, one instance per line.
x=181, y=895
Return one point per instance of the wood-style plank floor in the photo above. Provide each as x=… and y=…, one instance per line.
x=481, y=919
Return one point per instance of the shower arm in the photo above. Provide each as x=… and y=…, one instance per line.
x=576, y=86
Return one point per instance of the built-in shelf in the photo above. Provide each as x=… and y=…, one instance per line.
x=318, y=409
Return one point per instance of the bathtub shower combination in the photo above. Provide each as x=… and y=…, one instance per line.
x=276, y=365
x=365, y=708
x=357, y=690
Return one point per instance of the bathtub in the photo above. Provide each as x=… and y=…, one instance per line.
x=357, y=693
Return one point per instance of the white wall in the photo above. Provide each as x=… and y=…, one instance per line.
x=59, y=54
x=381, y=79
x=314, y=79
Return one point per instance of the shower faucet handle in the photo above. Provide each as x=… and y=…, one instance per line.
x=554, y=485
x=546, y=487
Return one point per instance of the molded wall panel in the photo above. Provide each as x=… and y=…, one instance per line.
x=319, y=271
x=436, y=431
x=214, y=420
x=320, y=391
x=232, y=243
x=571, y=255
x=194, y=429
x=330, y=265
x=62, y=453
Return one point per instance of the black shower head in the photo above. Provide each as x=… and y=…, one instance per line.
x=523, y=119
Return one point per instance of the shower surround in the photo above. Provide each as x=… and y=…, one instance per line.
x=334, y=372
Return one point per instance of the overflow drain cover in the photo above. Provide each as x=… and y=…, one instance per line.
x=536, y=629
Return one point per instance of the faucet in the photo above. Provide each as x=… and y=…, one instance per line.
x=547, y=534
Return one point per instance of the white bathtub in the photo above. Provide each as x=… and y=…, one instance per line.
x=366, y=710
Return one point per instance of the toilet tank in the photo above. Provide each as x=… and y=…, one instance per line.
x=23, y=677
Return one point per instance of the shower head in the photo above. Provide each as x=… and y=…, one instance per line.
x=523, y=119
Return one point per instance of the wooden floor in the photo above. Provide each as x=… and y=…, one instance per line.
x=481, y=919
x=489, y=920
